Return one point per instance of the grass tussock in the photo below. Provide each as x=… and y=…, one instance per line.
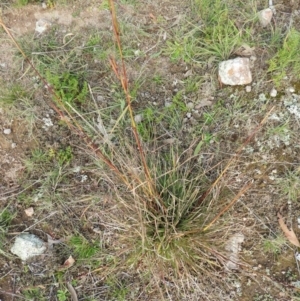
x=165, y=213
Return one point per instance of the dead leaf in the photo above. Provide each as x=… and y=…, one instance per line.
x=153, y=18
x=188, y=73
x=69, y=262
x=245, y=50
x=29, y=211
x=51, y=241
x=290, y=234
x=203, y=103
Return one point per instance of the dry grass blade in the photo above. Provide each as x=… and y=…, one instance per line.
x=234, y=157
x=72, y=292
x=241, y=192
x=290, y=234
x=122, y=76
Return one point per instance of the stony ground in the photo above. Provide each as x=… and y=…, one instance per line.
x=178, y=103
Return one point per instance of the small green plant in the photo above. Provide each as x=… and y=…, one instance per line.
x=65, y=155
x=5, y=219
x=290, y=185
x=286, y=59
x=13, y=94
x=82, y=248
x=117, y=289
x=215, y=40
x=62, y=295
x=69, y=88
x=22, y=2
x=218, y=40
x=274, y=245
x=33, y=294
x=158, y=79
x=49, y=3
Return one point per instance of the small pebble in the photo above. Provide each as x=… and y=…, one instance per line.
x=138, y=118
x=13, y=145
x=190, y=105
x=7, y=131
x=291, y=89
x=265, y=16
x=196, y=115
x=189, y=115
x=42, y=25
x=29, y=211
x=97, y=230
x=44, y=5
x=248, y=89
x=273, y=92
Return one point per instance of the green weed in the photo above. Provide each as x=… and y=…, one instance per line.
x=65, y=155
x=12, y=94
x=82, y=248
x=5, y=219
x=117, y=290
x=286, y=59
x=274, y=245
x=62, y=295
x=33, y=294
x=215, y=40
x=69, y=88
x=290, y=185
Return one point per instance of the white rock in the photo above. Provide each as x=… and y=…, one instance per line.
x=248, y=89
x=235, y=72
x=42, y=25
x=44, y=5
x=273, y=92
x=291, y=89
x=265, y=16
x=233, y=245
x=7, y=131
x=138, y=118
x=13, y=145
x=28, y=245
x=47, y=122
